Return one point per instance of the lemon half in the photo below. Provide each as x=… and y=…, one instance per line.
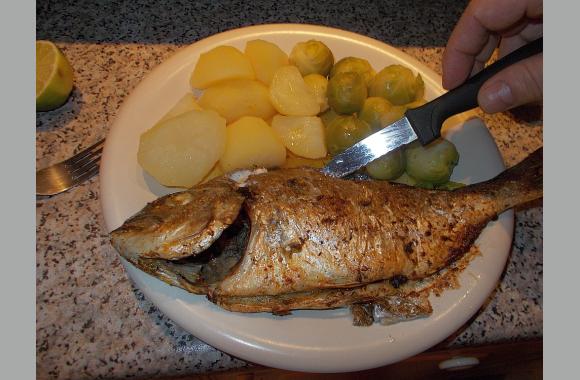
x=54, y=77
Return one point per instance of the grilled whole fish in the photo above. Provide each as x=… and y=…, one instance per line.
x=297, y=239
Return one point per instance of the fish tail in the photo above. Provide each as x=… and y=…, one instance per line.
x=517, y=185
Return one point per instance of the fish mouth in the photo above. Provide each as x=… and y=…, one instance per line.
x=201, y=272
x=222, y=257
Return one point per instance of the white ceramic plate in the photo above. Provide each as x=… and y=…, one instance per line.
x=318, y=341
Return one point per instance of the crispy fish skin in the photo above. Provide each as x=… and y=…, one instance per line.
x=181, y=224
x=314, y=299
x=315, y=242
x=312, y=232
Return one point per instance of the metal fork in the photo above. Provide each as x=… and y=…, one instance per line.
x=66, y=174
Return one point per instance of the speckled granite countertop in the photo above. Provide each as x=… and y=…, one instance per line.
x=91, y=322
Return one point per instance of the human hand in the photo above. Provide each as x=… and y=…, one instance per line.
x=484, y=24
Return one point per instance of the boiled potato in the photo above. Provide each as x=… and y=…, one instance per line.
x=185, y=104
x=266, y=58
x=318, y=85
x=235, y=98
x=302, y=135
x=293, y=161
x=216, y=171
x=250, y=142
x=221, y=63
x=180, y=151
x=290, y=95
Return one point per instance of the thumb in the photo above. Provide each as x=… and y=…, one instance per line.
x=519, y=84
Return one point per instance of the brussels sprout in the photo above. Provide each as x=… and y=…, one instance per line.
x=433, y=163
x=450, y=185
x=354, y=65
x=410, y=181
x=377, y=112
x=318, y=85
x=388, y=167
x=328, y=117
x=346, y=92
x=344, y=132
x=398, y=85
x=312, y=57
x=406, y=179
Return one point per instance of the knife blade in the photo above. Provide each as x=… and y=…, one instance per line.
x=423, y=123
x=370, y=148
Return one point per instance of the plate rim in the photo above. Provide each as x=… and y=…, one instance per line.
x=223, y=342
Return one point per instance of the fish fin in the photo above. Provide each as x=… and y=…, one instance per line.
x=520, y=184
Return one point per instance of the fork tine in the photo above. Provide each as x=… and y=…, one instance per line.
x=87, y=156
x=62, y=176
x=85, y=152
x=87, y=160
x=78, y=171
x=86, y=175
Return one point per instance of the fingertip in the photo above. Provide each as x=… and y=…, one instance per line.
x=451, y=80
x=449, y=77
x=495, y=96
x=456, y=67
x=514, y=86
x=445, y=82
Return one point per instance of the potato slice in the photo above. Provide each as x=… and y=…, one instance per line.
x=185, y=104
x=250, y=143
x=266, y=58
x=216, y=171
x=302, y=135
x=318, y=85
x=180, y=151
x=235, y=98
x=290, y=95
x=221, y=63
x=294, y=161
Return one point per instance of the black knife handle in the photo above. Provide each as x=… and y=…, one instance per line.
x=428, y=119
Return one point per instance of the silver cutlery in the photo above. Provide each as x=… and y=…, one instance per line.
x=66, y=174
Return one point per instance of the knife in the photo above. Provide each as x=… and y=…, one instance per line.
x=423, y=123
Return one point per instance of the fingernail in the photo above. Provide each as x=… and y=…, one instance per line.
x=496, y=97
